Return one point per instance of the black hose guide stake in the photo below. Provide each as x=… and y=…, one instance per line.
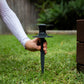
x=42, y=55
x=42, y=34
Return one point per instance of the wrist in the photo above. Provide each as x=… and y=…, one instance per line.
x=25, y=41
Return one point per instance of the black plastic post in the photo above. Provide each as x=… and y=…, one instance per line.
x=42, y=55
x=42, y=34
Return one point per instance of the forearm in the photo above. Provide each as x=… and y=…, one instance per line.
x=12, y=22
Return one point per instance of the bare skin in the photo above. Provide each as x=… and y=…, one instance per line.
x=31, y=45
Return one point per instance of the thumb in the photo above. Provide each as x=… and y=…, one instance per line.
x=36, y=39
x=38, y=47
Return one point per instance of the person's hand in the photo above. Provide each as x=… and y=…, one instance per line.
x=31, y=45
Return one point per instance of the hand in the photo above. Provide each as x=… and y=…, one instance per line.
x=31, y=45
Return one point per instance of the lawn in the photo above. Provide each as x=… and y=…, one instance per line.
x=19, y=66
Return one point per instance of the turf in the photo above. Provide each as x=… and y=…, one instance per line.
x=19, y=66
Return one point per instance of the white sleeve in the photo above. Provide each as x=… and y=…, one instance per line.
x=12, y=22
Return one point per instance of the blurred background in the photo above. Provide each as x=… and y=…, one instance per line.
x=62, y=14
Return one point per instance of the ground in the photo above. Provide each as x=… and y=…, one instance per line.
x=19, y=66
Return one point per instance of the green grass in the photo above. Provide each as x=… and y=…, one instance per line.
x=19, y=66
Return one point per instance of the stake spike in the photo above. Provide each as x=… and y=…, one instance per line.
x=42, y=34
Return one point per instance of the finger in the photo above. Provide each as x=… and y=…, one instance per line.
x=35, y=48
x=45, y=52
x=45, y=44
x=44, y=48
